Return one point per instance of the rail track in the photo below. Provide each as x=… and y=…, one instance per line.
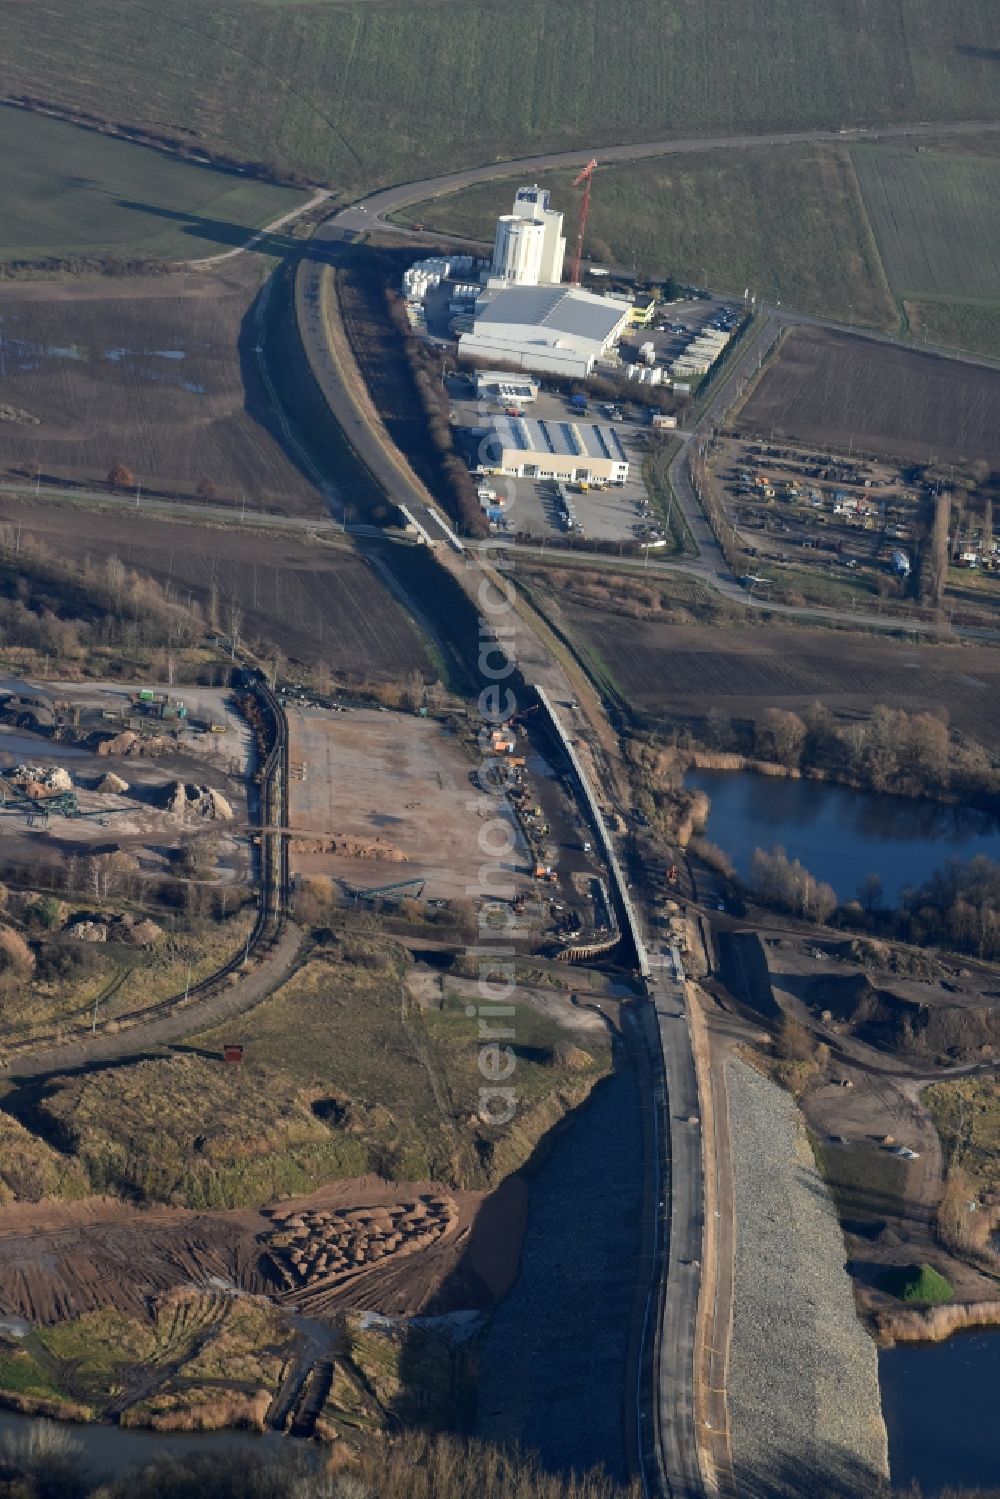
x=273, y=879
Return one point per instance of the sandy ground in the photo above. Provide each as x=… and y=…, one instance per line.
x=394, y=794
x=134, y=820
x=59, y=1260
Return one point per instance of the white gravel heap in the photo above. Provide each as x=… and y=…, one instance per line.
x=804, y=1399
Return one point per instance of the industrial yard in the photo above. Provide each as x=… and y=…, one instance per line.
x=536, y=506
x=95, y=767
x=395, y=808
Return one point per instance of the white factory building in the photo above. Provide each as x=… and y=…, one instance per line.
x=574, y=452
x=530, y=248
x=558, y=330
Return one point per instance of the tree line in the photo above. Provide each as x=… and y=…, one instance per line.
x=912, y=754
x=957, y=908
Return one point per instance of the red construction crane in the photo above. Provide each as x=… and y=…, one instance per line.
x=586, y=176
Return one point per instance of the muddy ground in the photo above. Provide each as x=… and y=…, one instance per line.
x=136, y=820
x=157, y=373
x=388, y=797
x=852, y=394
x=59, y=1260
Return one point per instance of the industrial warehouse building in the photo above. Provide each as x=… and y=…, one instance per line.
x=558, y=330
x=574, y=452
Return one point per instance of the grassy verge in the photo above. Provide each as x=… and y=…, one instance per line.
x=197, y=1362
x=868, y=1184
x=656, y=473
x=966, y=1114
x=972, y=326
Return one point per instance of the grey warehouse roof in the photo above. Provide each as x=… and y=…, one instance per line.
x=561, y=309
x=566, y=439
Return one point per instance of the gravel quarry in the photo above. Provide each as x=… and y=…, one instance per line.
x=804, y=1400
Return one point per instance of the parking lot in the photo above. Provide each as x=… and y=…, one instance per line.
x=532, y=505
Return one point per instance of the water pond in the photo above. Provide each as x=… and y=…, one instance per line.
x=939, y=1401
x=839, y=834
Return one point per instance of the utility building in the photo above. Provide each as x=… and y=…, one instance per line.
x=558, y=330
x=574, y=452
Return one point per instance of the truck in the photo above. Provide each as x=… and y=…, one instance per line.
x=578, y=403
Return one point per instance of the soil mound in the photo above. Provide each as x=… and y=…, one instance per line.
x=112, y=783
x=199, y=801
x=894, y=1022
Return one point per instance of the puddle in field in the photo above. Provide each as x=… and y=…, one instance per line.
x=23, y=356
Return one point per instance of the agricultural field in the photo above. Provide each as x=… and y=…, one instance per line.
x=788, y=223
x=72, y=193
x=311, y=600
x=936, y=219
x=687, y=670
x=359, y=94
x=844, y=393
x=156, y=373
x=972, y=326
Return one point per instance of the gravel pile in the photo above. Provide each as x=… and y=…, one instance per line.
x=803, y=1388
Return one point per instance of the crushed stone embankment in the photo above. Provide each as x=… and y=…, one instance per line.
x=804, y=1400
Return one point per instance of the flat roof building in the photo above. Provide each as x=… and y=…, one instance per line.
x=557, y=330
x=497, y=385
x=574, y=452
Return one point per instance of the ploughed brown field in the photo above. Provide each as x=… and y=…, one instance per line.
x=685, y=670
x=838, y=391
x=314, y=601
x=156, y=373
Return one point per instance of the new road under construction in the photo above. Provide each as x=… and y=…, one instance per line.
x=669, y=1452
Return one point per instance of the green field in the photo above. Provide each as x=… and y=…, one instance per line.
x=70, y=192
x=936, y=219
x=788, y=223
x=388, y=90
x=974, y=326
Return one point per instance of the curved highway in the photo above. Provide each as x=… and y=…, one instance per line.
x=675, y=1468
